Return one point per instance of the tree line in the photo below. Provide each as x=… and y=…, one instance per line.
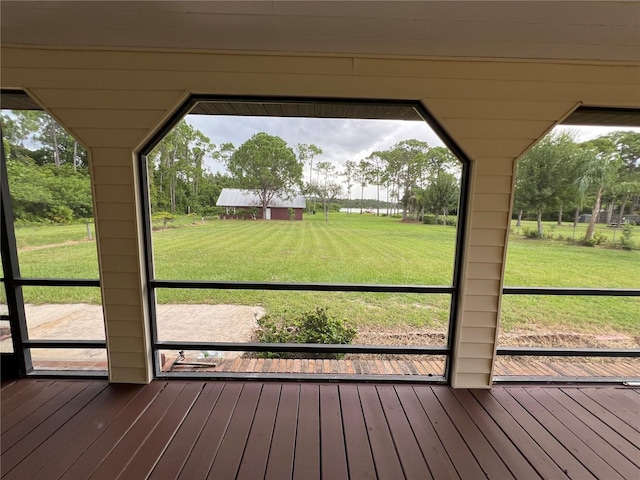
x=561, y=175
x=46, y=168
x=417, y=178
x=49, y=178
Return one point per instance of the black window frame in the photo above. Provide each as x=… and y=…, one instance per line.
x=454, y=290
x=581, y=116
x=13, y=282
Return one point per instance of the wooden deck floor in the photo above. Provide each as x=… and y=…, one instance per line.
x=248, y=430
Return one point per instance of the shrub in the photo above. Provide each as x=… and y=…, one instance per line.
x=292, y=213
x=212, y=211
x=531, y=232
x=60, y=214
x=549, y=233
x=164, y=216
x=315, y=326
x=597, y=239
x=451, y=221
x=626, y=241
x=429, y=219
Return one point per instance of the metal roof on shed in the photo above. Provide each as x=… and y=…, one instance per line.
x=233, y=197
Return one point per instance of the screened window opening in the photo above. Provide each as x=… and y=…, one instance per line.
x=287, y=230
x=49, y=244
x=571, y=297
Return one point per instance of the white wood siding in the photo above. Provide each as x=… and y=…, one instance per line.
x=495, y=109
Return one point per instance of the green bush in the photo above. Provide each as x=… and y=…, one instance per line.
x=164, y=217
x=60, y=214
x=597, y=239
x=429, y=219
x=451, y=221
x=530, y=232
x=315, y=326
x=626, y=241
x=549, y=233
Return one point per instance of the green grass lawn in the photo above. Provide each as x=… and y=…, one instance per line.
x=349, y=249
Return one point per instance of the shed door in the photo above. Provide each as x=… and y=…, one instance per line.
x=268, y=214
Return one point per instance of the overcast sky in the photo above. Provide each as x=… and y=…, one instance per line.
x=339, y=139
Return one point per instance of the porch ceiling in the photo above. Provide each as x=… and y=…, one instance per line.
x=595, y=30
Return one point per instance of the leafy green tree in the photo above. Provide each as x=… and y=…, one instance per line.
x=177, y=171
x=540, y=173
x=25, y=129
x=442, y=194
x=325, y=189
x=406, y=169
x=266, y=165
x=599, y=163
x=627, y=144
x=306, y=153
x=56, y=194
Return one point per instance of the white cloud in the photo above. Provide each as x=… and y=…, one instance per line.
x=584, y=133
x=339, y=139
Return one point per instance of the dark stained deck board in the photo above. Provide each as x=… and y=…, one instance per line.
x=15, y=393
x=205, y=450
x=115, y=463
x=61, y=449
x=200, y=429
x=602, y=429
x=433, y=451
x=462, y=458
x=482, y=450
x=92, y=456
x=560, y=454
x=409, y=452
x=283, y=442
x=31, y=441
x=356, y=440
x=28, y=402
x=232, y=447
x=616, y=405
x=256, y=453
x=596, y=409
x=539, y=459
x=613, y=458
x=513, y=459
x=26, y=425
x=160, y=436
x=333, y=460
x=383, y=449
x=306, y=463
x=173, y=459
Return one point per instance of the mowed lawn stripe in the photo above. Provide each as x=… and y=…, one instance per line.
x=352, y=249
